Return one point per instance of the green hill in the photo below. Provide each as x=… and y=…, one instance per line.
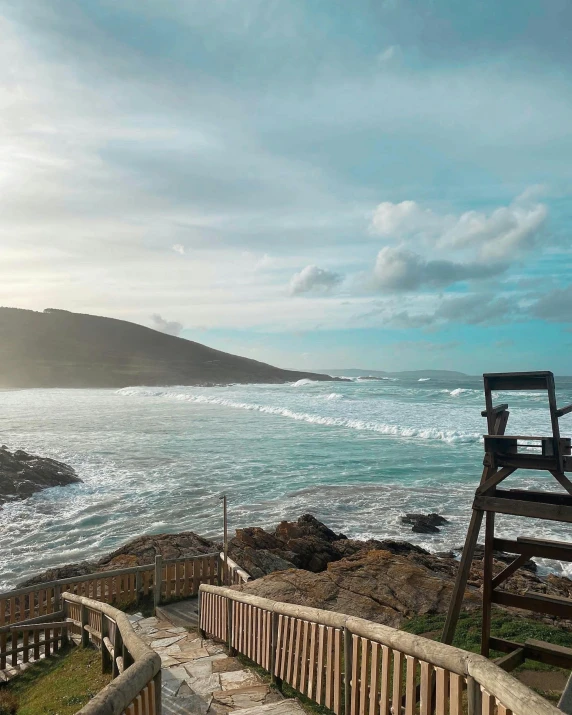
x=57, y=348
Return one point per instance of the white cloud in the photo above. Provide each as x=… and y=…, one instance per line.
x=179, y=248
x=398, y=269
x=312, y=278
x=171, y=327
x=505, y=232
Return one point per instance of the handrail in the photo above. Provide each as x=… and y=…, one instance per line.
x=271, y=633
x=238, y=574
x=165, y=578
x=97, y=575
x=140, y=681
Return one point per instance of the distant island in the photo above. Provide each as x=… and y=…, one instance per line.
x=413, y=374
x=57, y=348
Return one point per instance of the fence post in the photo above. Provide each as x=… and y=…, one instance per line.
x=158, y=581
x=57, y=599
x=275, y=680
x=116, y=650
x=202, y=633
x=105, y=654
x=65, y=631
x=474, y=705
x=138, y=586
x=84, y=622
x=347, y=671
x=158, y=704
x=230, y=625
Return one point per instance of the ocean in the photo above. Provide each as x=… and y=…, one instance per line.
x=356, y=454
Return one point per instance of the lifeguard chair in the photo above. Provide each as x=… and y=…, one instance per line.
x=505, y=454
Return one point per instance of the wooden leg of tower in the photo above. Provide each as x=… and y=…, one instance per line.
x=462, y=577
x=487, y=582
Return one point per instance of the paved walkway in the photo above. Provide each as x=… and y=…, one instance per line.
x=199, y=677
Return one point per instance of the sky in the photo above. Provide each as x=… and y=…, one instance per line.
x=382, y=184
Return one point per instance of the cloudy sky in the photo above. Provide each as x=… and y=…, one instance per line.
x=317, y=183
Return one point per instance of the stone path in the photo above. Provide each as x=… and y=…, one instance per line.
x=199, y=677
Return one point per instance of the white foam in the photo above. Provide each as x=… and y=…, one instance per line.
x=304, y=382
x=424, y=379
x=459, y=391
x=334, y=396
x=428, y=433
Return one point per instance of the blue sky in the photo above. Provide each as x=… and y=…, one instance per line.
x=379, y=184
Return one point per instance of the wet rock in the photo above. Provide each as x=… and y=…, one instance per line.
x=23, y=474
x=424, y=523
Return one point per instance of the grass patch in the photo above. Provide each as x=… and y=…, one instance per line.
x=504, y=625
x=59, y=685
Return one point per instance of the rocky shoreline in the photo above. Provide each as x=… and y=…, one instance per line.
x=23, y=474
x=307, y=563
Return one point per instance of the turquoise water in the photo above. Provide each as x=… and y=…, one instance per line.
x=356, y=454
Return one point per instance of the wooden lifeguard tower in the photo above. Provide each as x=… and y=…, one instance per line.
x=504, y=455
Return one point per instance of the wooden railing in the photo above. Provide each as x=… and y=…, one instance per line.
x=231, y=573
x=25, y=643
x=135, y=668
x=176, y=578
x=356, y=667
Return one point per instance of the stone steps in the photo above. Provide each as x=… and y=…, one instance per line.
x=182, y=613
x=198, y=675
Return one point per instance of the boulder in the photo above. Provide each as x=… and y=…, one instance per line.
x=306, y=544
x=377, y=585
x=143, y=550
x=23, y=474
x=424, y=523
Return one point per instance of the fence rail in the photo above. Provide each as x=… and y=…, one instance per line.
x=356, y=667
x=21, y=644
x=176, y=578
x=232, y=573
x=135, y=668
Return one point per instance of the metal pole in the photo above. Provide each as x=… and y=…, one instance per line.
x=225, y=541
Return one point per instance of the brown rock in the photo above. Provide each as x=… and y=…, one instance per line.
x=376, y=585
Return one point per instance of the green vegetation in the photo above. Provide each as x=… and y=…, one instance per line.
x=504, y=625
x=60, y=685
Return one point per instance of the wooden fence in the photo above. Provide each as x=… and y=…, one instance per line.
x=135, y=668
x=22, y=644
x=231, y=573
x=176, y=578
x=356, y=667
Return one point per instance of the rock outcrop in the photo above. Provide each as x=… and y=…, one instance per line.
x=378, y=585
x=305, y=544
x=23, y=474
x=424, y=523
x=384, y=581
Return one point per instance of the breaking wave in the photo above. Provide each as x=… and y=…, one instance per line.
x=425, y=433
x=305, y=381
